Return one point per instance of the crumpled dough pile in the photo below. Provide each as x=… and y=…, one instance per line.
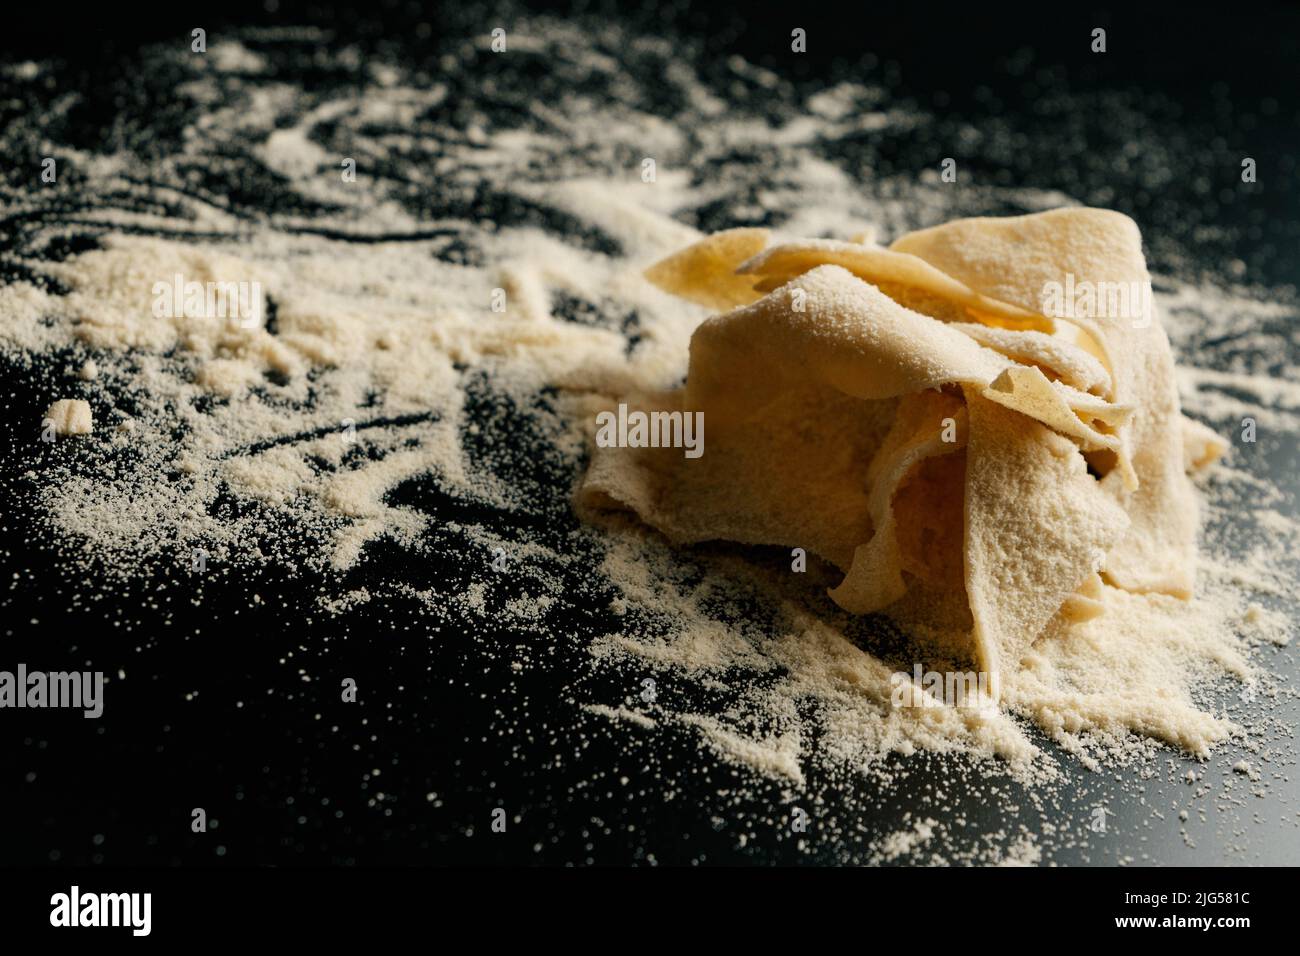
x=911, y=415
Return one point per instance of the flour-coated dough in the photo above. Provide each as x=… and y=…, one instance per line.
x=912, y=415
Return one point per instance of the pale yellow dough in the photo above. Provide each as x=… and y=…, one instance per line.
x=911, y=415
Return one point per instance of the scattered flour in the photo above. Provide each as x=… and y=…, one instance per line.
x=70, y=416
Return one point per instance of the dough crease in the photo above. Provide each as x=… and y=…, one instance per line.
x=914, y=416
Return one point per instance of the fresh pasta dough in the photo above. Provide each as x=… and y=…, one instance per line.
x=916, y=417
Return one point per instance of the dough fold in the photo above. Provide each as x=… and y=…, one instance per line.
x=914, y=416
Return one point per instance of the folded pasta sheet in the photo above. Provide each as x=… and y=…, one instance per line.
x=984, y=410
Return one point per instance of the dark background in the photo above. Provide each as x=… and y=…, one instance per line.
x=1210, y=83
x=1199, y=86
